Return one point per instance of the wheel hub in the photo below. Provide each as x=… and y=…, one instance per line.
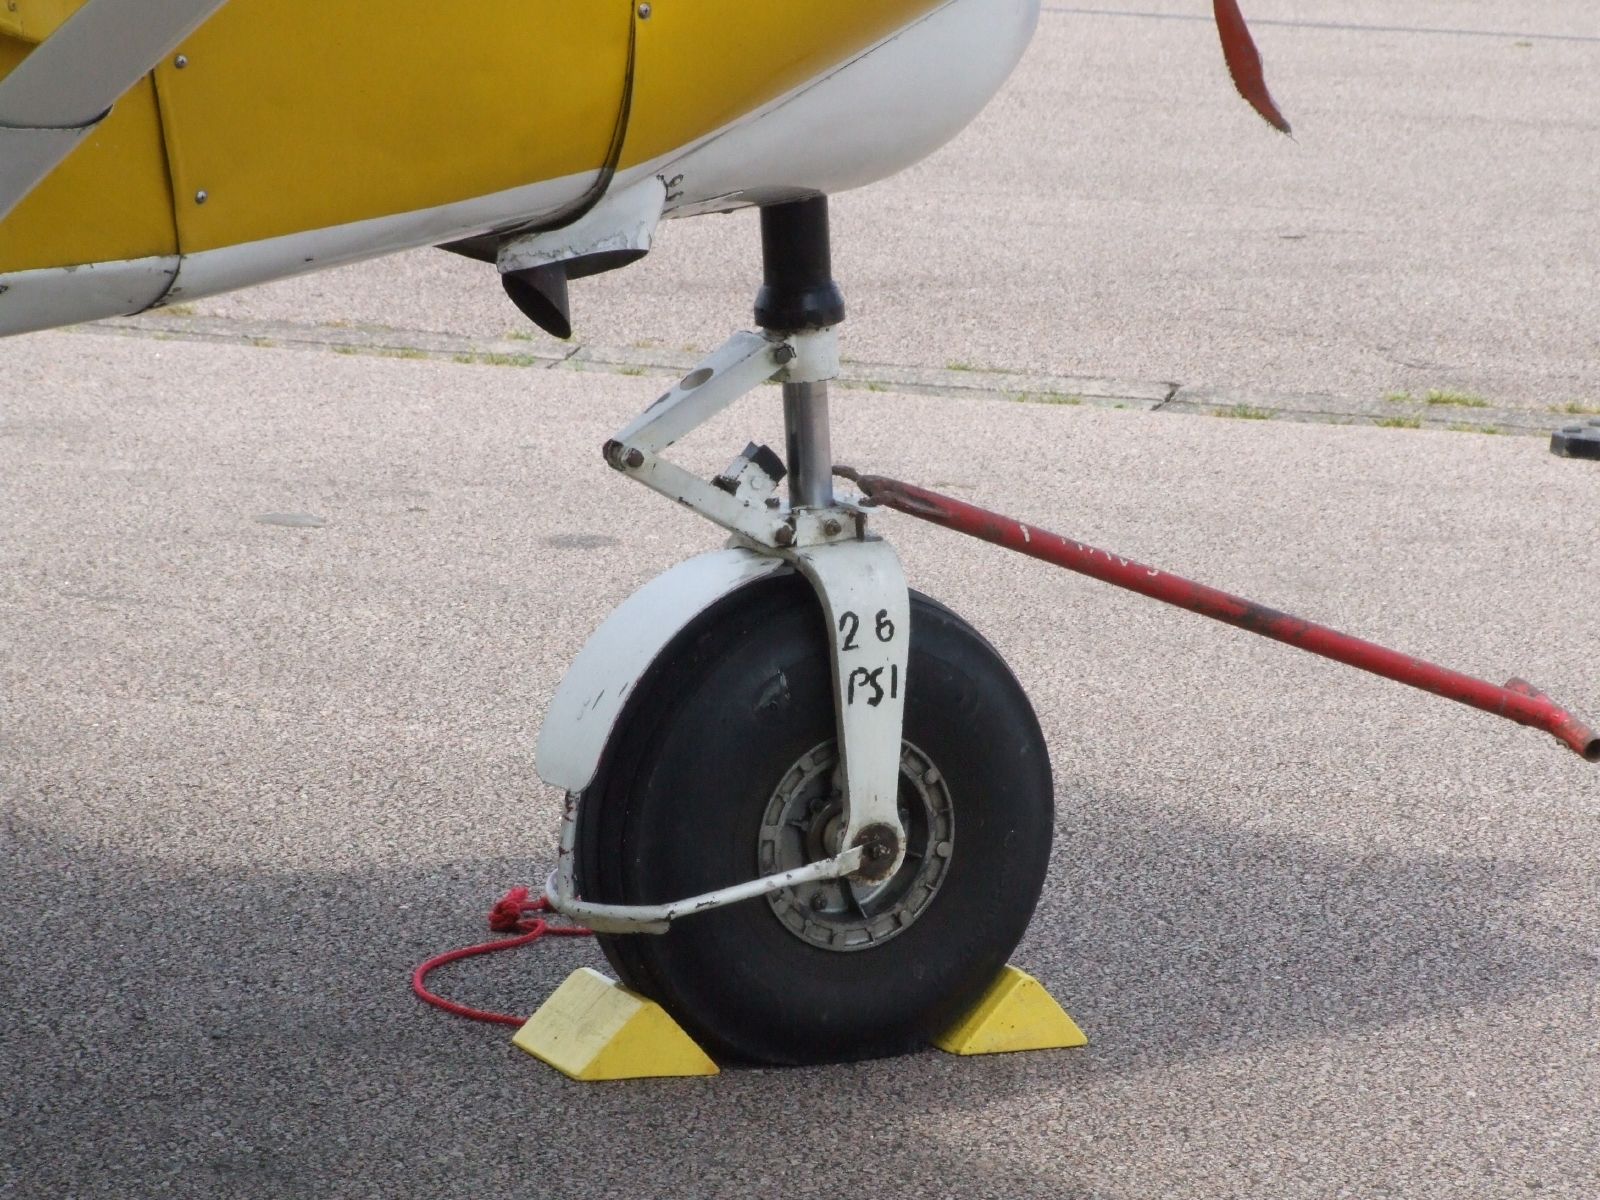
x=804, y=822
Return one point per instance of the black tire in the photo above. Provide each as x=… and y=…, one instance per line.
x=677, y=808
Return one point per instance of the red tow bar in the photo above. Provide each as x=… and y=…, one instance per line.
x=1517, y=701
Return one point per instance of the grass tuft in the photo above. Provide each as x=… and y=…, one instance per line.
x=1399, y=423
x=390, y=352
x=1043, y=398
x=498, y=360
x=1456, y=399
x=1243, y=412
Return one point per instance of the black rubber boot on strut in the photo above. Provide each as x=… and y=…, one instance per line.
x=797, y=287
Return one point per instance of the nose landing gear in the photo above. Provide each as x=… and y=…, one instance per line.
x=809, y=811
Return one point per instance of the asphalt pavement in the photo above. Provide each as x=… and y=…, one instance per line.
x=288, y=580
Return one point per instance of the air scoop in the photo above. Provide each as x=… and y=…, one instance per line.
x=1517, y=701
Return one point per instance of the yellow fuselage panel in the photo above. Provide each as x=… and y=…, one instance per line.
x=108, y=201
x=293, y=115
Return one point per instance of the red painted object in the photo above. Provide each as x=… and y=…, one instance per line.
x=512, y=913
x=1517, y=701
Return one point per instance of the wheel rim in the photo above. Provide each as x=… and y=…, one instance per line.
x=803, y=823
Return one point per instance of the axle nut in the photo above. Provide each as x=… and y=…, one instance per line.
x=879, y=845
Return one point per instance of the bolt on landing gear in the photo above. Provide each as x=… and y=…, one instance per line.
x=809, y=812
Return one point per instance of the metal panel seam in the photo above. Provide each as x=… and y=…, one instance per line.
x=172, y=193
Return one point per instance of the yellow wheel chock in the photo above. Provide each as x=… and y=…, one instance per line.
x=593, y=1028
x=1016, y=1013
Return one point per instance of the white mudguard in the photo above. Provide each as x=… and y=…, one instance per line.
x=586, y=706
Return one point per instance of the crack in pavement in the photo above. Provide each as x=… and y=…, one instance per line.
x=523, y=351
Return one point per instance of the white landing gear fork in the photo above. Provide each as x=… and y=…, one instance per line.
x=824, y=537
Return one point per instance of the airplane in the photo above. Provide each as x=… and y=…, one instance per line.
x=808, y=810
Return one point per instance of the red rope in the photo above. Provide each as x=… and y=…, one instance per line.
x=509, y=915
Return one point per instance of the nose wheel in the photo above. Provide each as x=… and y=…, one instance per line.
x=725, y=766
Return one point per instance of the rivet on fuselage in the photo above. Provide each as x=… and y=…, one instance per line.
x=644, y=12
x=181, y=61
x=200, y=196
